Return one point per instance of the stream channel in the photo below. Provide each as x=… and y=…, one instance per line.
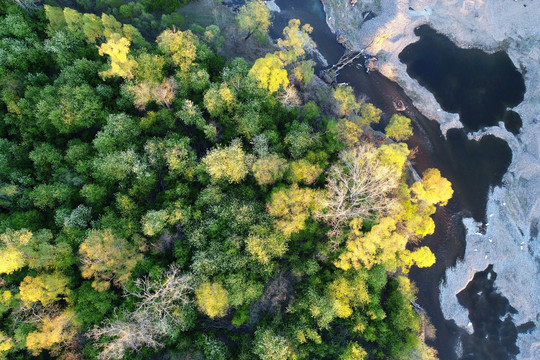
x=472, y=166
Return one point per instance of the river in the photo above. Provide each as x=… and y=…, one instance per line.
x=472, y=167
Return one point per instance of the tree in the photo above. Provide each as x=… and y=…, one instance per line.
x=346, y=100
x=269, y=73
x=227, y=163
x=421, y=257
x=359, y=187
x=304, y=171
x=121, y=63
x=269, y=169
x=271, y=346
x=107, y=258
x=399, y=128
x=12, y=257
x=433, y=189
x=162, y=306
x=296, y=41
x=254, y=18
x=45, y=288
x=353, y=351
x=263, y=244
x=212, y=299
x=292, y=207
x=377, y=246
x=51, y=331
x=181, y=46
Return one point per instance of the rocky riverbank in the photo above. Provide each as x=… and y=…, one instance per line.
x=509, y=240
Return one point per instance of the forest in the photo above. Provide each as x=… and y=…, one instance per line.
x=162, y=199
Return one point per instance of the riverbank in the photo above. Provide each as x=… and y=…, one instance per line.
x=510, y=241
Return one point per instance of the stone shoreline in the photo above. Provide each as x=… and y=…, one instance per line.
x=511, y=241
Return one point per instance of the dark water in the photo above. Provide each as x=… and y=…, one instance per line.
x=476, y=85
x=491, y=317
x=471, y=166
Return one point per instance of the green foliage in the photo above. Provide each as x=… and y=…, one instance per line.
x=139, y=187
x=399, y=128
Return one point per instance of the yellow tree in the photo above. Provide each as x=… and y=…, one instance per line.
x=12, y=257
x=399, y=128
x=269, y=72
x=228, y=163
x=433, y=189
x=121, y=63
x=377, y=246
x=107, y=258
x=253, y=18
x=181, y=46
x=304, y=171
x=50, y=332
x=292, y=207
x=296, y=41
x=212, y=299
x=421, y=257
x=45, y=288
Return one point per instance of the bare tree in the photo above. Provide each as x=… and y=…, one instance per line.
x=28, y=5
x=359, y=186
x=153, y=316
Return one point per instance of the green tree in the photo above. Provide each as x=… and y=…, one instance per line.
x=399, y=128
x=253, y=18
x=271, y=346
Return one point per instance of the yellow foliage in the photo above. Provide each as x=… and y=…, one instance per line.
x=269, y=169
x=270, y=73
x=121, y=64
x=349, y=132
x=433, y=189
x=296, y=41
x=254, y=16
x=180, y=45
x=212, y=299
x=227, y=163
x=346, y=100
x=421, y=257
x=354, y=352
x=304, y=171
x=50, y=331
x=292, y=207
x=12, y=260
x=107, y=258
x=348, y=294
x=263, y=245
x=45, y=288
x=377, y=246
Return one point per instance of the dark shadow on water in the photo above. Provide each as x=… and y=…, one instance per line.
x=477, y=85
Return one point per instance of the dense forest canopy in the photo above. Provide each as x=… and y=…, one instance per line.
x=157, y=197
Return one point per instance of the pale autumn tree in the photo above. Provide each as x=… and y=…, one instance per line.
x=159, y=310
x=359, y=186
